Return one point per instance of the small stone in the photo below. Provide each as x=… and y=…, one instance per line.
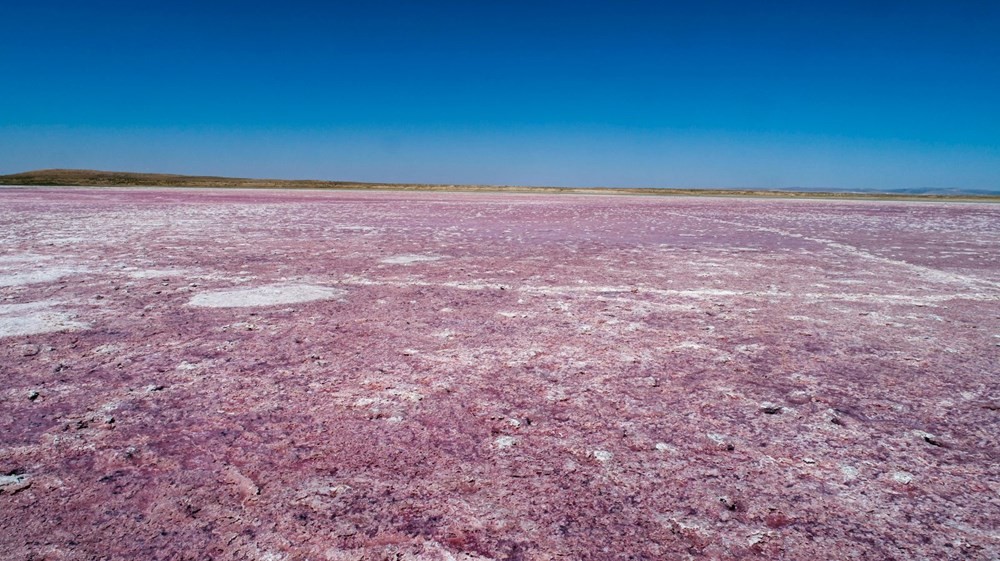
x=721, y=441
x=850, y=472
x=929, y=438
x=809, y=460
x=30, y=350
x=505, y=441
x=602, y=455
x=245, y=486
x=902, y=477
x=798, y=398
x=13, y=483
x=770, y=409
x=662, y=446
x=6, y=480
x=33, y=395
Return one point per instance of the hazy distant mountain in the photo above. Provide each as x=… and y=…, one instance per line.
x=946, y=191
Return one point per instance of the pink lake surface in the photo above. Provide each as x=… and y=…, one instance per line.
x=304, y=375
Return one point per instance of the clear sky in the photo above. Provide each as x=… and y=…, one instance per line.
x=874, y=94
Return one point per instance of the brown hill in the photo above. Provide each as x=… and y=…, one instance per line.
x=86, y=177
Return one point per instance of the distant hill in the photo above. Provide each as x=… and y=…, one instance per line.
x=95, y=178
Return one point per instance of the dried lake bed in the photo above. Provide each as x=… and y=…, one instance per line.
x=260, y=374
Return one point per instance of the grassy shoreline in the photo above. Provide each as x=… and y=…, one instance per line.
x=93, y=178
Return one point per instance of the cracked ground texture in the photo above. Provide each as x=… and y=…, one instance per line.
x=304, y=375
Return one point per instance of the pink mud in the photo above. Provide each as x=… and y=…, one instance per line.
x=493, y=376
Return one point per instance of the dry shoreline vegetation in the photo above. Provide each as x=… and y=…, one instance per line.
x=95, y=178
x=346, y=375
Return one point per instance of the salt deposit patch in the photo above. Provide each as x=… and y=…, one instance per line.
x=35, y=318
x=27, y=307
x=34, y=277
x=512, y=315
x=158, y=273
x=64, y=240
x=22, y=258
x=408, y=259
x=270, y=295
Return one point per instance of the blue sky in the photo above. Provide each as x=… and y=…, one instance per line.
x=858, y=95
